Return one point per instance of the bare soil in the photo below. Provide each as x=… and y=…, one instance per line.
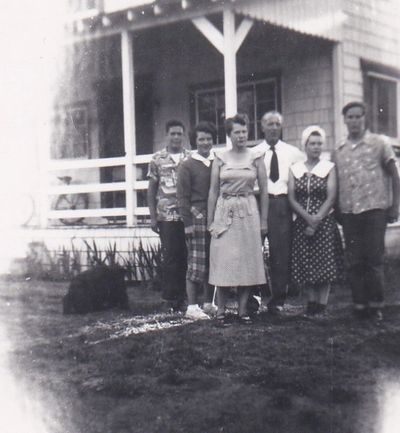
x=144, y=372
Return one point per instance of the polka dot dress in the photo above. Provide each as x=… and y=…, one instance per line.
x=317, y=258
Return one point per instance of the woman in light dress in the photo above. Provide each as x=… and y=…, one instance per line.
x=237, y=227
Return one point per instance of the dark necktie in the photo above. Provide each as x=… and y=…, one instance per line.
x=274, y=167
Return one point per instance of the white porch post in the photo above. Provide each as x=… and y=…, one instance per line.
x=338, y=96
x=44, y=156
x=230, y=63
x=227, y=44
x=128, y=94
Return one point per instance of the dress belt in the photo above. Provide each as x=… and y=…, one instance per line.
x=236, y=194
x=277, y=195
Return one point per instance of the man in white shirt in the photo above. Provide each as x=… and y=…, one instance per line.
x=279, y=156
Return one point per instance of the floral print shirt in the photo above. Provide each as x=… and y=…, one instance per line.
x=163, y=169
x=364, y=183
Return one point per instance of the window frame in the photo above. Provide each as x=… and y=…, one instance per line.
x=219, y=87
x=384, y=77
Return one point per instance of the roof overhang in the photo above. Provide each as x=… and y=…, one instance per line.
x=321, y=18
x=312, y=17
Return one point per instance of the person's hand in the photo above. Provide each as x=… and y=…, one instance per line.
x=309, y=231
x=189, y=232
x=264, y=232
x=392, y=214
x=314, y=221
x=154, y=226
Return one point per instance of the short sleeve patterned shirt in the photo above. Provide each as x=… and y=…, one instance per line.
x=163, y=169
x=364, y=183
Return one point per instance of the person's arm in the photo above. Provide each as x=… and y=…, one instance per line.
x=183, y=193
x=328, y=204
x=152, y=203
x=213, y=193
x=295, y=205
x=393, y=210
x=263, y=188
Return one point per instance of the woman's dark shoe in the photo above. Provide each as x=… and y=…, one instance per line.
x=320, y=311
x=361, y=313
x=375, y=314
x=311, y=309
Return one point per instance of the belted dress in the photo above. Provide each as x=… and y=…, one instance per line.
x=236, y=248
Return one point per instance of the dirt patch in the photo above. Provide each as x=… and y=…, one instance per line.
x=146, y=372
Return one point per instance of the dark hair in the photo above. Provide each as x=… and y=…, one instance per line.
x=206, y=127
x=241, y=119
x=173, y=122
x=353, y=104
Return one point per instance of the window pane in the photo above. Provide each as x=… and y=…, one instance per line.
x=246, y=102
x=383, y=106
x=206, y=101
x=254, y=99
x=266, y=91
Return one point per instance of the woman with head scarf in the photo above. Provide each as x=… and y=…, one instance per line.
x=317, y=255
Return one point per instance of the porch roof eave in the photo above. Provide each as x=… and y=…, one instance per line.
x=314, y=18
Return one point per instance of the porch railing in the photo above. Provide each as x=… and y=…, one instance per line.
x=58, y=166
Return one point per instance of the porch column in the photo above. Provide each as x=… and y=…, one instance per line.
x=230, y=63
x=44, y=203
x=128, y=95
x=338, y=97
x=227, y=44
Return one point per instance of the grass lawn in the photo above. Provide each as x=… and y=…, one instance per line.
x=141, y=372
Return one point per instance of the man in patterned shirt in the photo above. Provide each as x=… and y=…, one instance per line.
x=165, y=219
x=368, y=199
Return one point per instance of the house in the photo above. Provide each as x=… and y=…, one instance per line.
x=130, y=65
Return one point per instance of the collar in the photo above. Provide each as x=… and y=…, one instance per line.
x=353, y=145
x=276, y=145
x=321, y=169
x=165, y=154
x=206, y=161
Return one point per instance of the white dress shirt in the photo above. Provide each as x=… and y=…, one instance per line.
x=287, y=156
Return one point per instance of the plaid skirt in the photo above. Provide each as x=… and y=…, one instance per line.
x=198, y=246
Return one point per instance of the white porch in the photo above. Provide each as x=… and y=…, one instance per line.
x=225, y=25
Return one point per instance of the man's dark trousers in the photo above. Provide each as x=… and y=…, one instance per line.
x=364, y=236
x=174, y=258
x=279, y=238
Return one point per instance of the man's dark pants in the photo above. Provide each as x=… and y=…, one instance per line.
x=174, y=254
x=364, y=235
x=279, y=238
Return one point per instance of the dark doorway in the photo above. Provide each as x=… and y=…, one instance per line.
x=111, y=129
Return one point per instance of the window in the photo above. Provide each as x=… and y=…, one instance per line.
x=254, y=99
x=382, y=97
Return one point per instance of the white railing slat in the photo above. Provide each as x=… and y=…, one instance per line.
x=86, y=188
x=68, y=164
x=86, y=213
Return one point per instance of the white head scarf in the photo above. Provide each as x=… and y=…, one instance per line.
x=310, y=130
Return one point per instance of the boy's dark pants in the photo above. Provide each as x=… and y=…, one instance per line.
x=173, y=245
x=364, y=236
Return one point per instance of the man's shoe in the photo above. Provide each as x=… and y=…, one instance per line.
x=361, y=313
x=376, y=314
x=194, y=312
x=275, y=310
